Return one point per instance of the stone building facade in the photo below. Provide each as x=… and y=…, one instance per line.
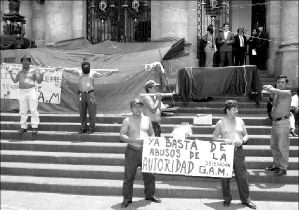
x=49, y=21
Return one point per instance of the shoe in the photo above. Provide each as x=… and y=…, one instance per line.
x=125, y=204
x=293, y=133
x=154, y=199
x=250, y=205
x=90, y=131
x=82, y=131
x=22, y=130
x=226, y=203
x=271, y=168
x=34, y=131
x=280, y=172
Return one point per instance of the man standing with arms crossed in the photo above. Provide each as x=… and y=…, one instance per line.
x=28, y=98
x=280, y=113
x=134, y=130
x=152, y=105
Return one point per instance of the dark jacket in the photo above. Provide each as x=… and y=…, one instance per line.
x=225, y=46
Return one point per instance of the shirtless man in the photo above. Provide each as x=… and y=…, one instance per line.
x=28, y=97
x=134, y=130
x=280, y=113
x=152, y=105
x=86, y=96
x=231, y=129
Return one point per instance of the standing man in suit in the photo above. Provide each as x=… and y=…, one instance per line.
x=262, y=48
x=225, y=40
x=240, y=47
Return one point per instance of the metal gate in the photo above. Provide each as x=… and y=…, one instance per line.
x=118, y=20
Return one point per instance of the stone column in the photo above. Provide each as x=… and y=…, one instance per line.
x=175, y=19
x=25, y=10
x=58, y=21
x=38, y=23
x=79, y=19
x=273, y=29
x=287, y=56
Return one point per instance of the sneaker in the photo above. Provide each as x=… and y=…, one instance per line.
x=22, y=130
x=34, y=131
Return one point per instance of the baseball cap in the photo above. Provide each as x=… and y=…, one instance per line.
x=135, y=101
x=150, y=83
x=230, y=104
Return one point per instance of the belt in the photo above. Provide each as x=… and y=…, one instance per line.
x=281, y=118
x=86, y=92
x=135, y=148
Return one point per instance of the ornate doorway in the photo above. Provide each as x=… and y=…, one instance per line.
x=118, y=20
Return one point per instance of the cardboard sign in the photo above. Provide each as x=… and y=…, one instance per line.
x=164, y=155
x=49, y=91
x=202, y=119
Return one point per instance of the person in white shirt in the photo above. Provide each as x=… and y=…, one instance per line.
x=294, y=114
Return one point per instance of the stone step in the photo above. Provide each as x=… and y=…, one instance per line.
x=115, y=128
x=217, y=104
x=206, y=110
x=107, y=147
x=174, y=189
x=254, y=162
x=113, y=137
x=174, y=119
x=117, y=172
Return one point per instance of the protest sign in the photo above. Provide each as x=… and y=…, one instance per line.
x=49, y=91
x=166, y=155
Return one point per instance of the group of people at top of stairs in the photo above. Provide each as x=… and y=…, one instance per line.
x=233, y=47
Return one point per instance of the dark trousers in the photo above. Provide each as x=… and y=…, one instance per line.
x=241, y=178
x=87, y=101
x=226, y=56
x=240, y=56
x=133, y=159
x=157, y=128
x=252, y=60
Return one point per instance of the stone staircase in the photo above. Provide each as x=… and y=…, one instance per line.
x=60, y=160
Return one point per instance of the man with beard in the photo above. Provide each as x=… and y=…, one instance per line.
x=240, y=47
x=280, y=113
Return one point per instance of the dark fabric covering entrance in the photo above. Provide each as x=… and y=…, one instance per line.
x=196, y=83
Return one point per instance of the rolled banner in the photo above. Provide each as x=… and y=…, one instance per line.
x=153, y=94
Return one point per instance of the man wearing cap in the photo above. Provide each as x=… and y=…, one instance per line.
x=28, y=97
x=152, y=105
x=280, y=113
x=231, y=130
x=134, y=130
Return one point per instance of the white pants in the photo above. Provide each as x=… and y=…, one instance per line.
x=292, y=121
x=28, y=100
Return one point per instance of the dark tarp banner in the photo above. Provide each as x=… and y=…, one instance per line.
x=113, y=93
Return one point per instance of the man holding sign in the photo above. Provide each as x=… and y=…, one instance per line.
x=134, y=130
x=28, y=98
x=231, y=129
